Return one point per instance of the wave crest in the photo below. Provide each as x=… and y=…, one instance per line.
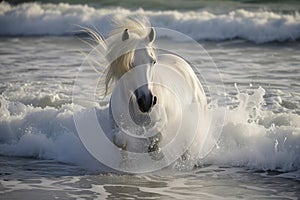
x=59, y=19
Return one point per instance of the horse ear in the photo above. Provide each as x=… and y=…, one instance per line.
x=125, y=35
x=152, y=35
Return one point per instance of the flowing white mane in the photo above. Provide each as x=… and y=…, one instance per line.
x=119, y=54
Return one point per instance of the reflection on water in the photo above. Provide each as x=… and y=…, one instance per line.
x=48, y=179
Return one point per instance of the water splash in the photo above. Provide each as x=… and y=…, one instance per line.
x=253, y=136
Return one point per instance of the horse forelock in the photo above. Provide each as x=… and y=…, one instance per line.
x=138, y=25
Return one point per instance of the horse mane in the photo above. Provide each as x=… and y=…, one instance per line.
x=119, y=54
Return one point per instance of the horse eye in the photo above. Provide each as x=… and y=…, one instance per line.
x=153, y=62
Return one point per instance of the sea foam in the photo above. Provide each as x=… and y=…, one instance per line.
x=257, y=138
x=61, y=19
x=253, y=136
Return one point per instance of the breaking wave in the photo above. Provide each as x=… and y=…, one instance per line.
x=252, y=137
x=30, y=19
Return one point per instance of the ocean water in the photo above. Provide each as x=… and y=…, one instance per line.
x=256, y=49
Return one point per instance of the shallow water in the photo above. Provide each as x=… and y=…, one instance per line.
x=48, y=179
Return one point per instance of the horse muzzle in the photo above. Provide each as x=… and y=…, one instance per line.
x=145, y=100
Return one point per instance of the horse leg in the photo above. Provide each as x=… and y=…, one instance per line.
x=153, y=149
x=118, y=139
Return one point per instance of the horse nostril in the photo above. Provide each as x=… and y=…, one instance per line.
x=142, y=103
x=154, y=100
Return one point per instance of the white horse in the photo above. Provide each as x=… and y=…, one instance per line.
x=157, y=91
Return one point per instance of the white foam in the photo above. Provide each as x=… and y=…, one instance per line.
x=60, y=19
x=253, y=136
x=256, y=138
x=45, y=133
